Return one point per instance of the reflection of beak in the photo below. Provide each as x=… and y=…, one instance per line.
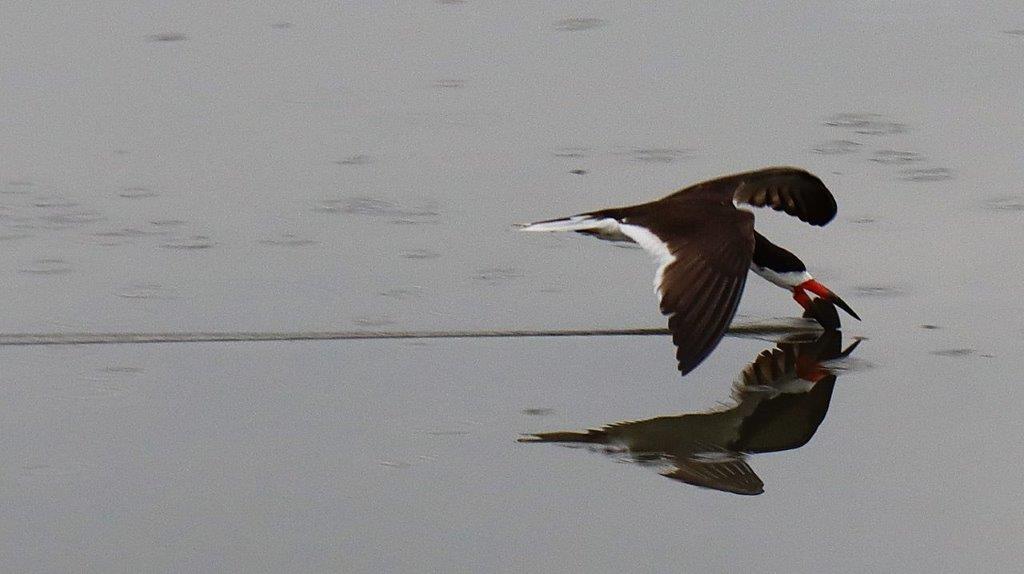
x=821, y=291
x=809, y=368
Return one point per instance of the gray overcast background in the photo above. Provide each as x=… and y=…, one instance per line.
x=315, y=166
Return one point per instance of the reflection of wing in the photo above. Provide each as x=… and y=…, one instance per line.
x=785, y=393
x=734, y=476
x=781, y=397
x=786, y=421
x=787, y=189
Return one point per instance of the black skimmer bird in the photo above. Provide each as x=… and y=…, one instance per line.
x=780, y=399
x=705, y=244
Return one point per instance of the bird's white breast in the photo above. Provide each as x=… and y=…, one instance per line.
x=787, y=280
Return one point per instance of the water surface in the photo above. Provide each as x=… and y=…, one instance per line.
x=304, y=167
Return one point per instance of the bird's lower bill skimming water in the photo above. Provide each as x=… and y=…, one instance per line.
x=705, y=243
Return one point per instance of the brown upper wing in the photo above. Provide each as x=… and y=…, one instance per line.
x=700, y=292
x=789, y=189
x=703, y=273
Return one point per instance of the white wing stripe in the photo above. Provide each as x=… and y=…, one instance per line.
x=653, y=245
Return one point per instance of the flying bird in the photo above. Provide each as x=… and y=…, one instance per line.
x=704, y=243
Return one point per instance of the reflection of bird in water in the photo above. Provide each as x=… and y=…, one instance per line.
x=780, y=400
x=705, y=245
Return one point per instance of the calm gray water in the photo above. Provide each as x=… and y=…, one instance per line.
x=310, y=167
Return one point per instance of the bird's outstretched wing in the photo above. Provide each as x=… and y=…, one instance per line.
x=703, y=262
x=789, y=189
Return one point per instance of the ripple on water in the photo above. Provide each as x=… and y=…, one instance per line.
x=397, y=464
x=149, y=291
x=880, y=291
x=836, y=147
x=66, y=217
x=496, y=275
x=538, y=412
x=124, y=232
x=373, y=321
x=166, y=37
x=401, y=293
x=449, y=83
x=167, y=222
x=927, y=174
x=17, y=187
x=192, y=242
x=578, y=24
x=1005, y=203
x=964, y=352
x=54, y=203
x=122, y=236
x=411, y=221
x=866, y=124
x=896, y=157
x=446, y=432
x=122, y=370
x=288, y=240
x=420, y=254
x=137, y=192
x=358, y=159
x=658, y=155
x=572, y=152
x=47, y=266
x=371, y=207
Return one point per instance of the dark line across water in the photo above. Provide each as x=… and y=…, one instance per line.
x=28, y=339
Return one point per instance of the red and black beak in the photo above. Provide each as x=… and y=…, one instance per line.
x=801, y=296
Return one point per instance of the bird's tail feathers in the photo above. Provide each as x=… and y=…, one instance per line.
x=594, y=224
x=588, y=436
x=582, y=222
